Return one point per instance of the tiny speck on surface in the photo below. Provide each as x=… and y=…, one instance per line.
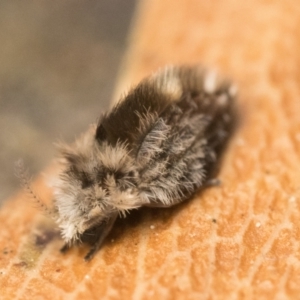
x=152, y=227
x=258, y=224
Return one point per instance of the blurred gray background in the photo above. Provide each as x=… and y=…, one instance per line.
x=58, y=64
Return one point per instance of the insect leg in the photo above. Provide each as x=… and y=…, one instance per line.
x=102, y=232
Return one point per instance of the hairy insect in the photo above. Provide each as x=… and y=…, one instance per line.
x=158, y=146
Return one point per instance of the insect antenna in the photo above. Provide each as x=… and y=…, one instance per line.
x=25, y=181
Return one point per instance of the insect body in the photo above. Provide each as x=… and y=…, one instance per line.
x=156, y=148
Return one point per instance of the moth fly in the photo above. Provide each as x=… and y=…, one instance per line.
x=158, y=146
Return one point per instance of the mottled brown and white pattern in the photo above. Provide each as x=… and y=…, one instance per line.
x=239, y=240
x=156, y=147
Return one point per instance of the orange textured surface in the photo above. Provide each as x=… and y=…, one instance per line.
x=240, y=240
